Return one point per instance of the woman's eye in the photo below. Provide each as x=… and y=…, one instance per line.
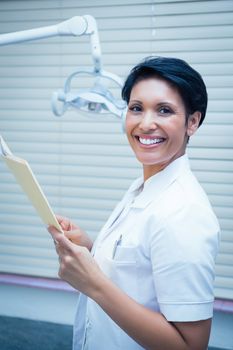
x=135, y=108
x=165, y=110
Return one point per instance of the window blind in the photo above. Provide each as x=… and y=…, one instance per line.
x=84, y=165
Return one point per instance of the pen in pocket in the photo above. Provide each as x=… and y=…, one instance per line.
x=117, y=243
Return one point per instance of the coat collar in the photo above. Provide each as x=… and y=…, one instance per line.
x=156, y=184
x=141, y=194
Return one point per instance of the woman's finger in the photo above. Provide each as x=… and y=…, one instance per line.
x=63, y=244
x=74, y=236
x=57, y=236
x=52, y=230
x=64, y=222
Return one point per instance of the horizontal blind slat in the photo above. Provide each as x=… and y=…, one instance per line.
x=84, y=177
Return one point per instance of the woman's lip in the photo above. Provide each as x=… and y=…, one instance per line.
x=149, y=137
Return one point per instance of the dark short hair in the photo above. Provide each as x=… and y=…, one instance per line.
x=179, y=74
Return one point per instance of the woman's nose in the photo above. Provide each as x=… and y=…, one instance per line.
x=148, y=121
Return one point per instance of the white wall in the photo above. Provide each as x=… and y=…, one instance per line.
x=38, y=304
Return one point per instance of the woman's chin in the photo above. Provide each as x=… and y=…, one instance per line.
x=149, y=160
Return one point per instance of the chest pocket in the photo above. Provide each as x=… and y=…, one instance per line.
x=123, y=269
x=126, y=255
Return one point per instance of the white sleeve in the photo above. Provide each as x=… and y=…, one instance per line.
x=183, y=253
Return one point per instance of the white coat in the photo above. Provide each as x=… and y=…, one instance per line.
x=159, y=246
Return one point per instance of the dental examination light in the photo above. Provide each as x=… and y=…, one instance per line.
x=98, y=98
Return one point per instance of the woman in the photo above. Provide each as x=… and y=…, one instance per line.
x=148, y=281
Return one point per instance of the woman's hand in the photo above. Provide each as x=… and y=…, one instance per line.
x=77, y=266
x=74, y=232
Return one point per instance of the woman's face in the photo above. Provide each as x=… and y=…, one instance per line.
x=155, y=124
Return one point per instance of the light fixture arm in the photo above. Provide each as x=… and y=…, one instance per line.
x=97, y=99
x=75, y=26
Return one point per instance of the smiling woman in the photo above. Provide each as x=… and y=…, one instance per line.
x=148, y=281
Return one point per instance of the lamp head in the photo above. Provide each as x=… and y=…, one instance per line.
x=98, y=99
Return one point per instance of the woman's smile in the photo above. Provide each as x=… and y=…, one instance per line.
x=149, y=141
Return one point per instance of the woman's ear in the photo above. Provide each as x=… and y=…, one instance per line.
x=193, y=123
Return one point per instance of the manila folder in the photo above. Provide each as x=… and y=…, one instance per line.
x=27, y=180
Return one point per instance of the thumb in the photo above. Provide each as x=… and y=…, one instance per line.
x=59, y=238
x=63, y=242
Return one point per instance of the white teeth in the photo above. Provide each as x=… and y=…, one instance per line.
x=150, y=141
